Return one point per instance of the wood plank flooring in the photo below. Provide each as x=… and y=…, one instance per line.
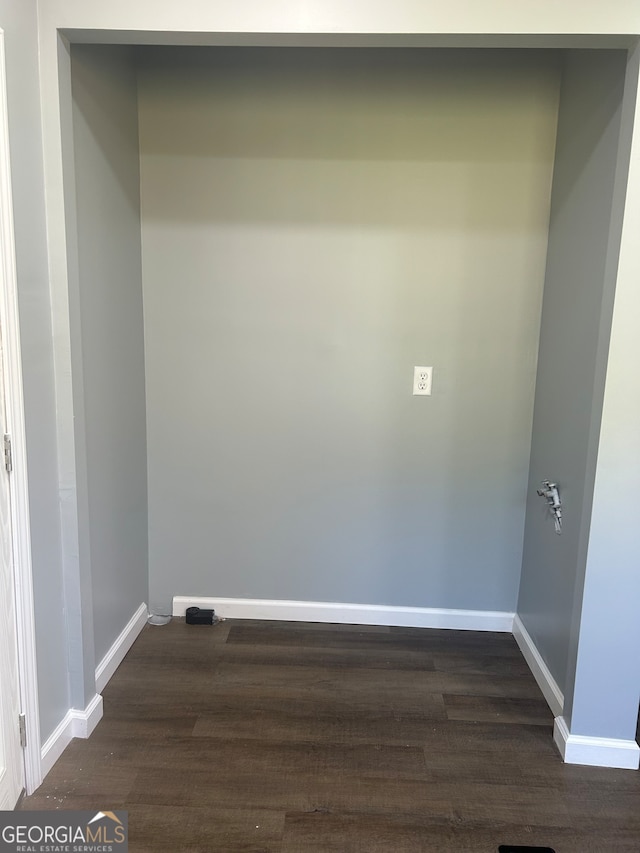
x=273, y=737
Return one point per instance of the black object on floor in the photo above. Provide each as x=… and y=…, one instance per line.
x=511, y=848
x=200, y=616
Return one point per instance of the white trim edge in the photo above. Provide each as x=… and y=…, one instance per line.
x=595, y=751
x=539, y=669
x=349, y=614
x=14, y=397
x=116, y=654
x=74, y=724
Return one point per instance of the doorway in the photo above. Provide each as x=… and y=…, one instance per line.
x=95, y=244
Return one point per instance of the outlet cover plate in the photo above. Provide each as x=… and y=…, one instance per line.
x=422, y=379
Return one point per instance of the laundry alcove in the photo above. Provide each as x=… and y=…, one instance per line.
x=267, y=241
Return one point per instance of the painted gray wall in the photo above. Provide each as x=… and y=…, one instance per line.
x=574, y=337
x=18, y=20
x=316, y=223
x=110, y=333
x=606, y=628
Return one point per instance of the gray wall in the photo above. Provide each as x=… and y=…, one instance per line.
x=574, y=337
x=110, y=363
x=18, y=20
x=606, y=633
x=316, y=223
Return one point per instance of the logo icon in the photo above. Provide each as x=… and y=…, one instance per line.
x=111, y=815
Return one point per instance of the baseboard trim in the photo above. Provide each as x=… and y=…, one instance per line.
x=116, y=654
x=75, y=723
x=56, y=743
x=539, y=669
x=349, y=614
x=595, y=751
x=84, y=722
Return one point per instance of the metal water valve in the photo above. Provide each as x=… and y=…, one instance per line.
x=549, y=492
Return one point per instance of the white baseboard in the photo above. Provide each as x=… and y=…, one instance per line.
x=595, y=751
x=84, y=722
x=539, y=669
x=74, y=724
x=80, y=723
x=349, y=614
x=114, y=657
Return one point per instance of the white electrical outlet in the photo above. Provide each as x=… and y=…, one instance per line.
x=422, y=377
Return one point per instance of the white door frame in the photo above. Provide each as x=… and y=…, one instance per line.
x=18, y=486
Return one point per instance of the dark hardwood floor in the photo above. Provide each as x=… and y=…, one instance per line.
x=299, y=738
